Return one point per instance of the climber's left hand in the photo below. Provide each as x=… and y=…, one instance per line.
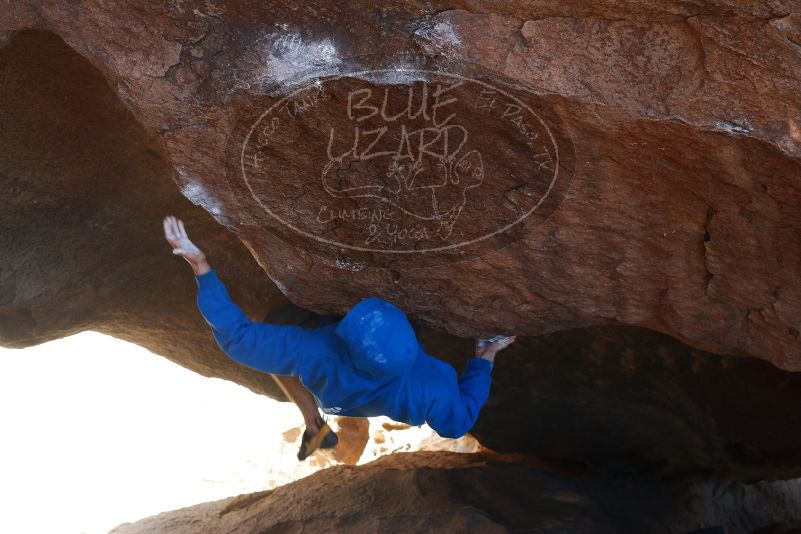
x=487, y=349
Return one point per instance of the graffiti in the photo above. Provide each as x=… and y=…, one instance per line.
x=426, y=175
x=437, y=163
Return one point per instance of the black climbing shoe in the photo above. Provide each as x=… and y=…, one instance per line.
x=324, y=439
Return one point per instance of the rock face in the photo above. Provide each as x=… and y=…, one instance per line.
x=621, y=180
x=576, y=165
x=84, y=190
x=451, y=492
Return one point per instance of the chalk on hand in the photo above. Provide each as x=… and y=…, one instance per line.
x=484, y=342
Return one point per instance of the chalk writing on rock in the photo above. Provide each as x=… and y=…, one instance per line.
x=437, y=164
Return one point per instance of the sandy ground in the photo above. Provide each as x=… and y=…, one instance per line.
x=112, y=433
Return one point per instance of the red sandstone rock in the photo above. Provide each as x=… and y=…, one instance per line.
x=84, y=190
x=674, y=205
x=353, y=433
x=678, y=123
x=451, y=492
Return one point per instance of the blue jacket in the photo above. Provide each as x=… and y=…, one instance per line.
x=369, y=363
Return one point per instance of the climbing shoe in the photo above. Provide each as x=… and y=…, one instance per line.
x=325, y=438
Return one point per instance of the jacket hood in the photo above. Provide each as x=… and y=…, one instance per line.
x=380, y=339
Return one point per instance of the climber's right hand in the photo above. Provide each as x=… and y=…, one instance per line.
x=488, y=348
x=175, y=233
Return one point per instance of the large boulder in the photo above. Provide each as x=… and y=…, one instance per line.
x=451, y=492
x=84, y=190
x=575, y=164
x=506, y=167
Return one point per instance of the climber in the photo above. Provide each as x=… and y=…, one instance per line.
x=367, y=364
